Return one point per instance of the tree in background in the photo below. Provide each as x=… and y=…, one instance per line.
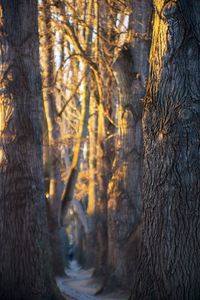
x=125, y=187
x=83, y=38
x=94, y=34
x=53, y=142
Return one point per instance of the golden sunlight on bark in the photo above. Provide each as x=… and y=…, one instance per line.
x=159, y=36
x=92, y=155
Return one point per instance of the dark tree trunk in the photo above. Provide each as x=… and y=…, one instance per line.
x=170, y=260
x=25, y=271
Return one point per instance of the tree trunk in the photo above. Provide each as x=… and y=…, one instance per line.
x=92, y=185
x=25, y=271
x=104, y=137
x=125, y=188
x=54, y=139
x=170, y=261
x=69, y=188
x=101, y=199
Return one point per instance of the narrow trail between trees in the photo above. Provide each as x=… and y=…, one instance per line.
x=80, y=285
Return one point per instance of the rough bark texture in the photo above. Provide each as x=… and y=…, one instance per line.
x=125, y=188
x=25, y=271
x=170, y=261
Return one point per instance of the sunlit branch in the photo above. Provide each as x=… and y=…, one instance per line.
x=70, y=98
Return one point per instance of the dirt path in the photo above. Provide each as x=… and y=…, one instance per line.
x=81, y=286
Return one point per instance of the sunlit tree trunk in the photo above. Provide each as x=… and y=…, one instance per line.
x=125, y=188
x=104, y=139
x=25, y=271
x=54, y=138
x=92, y=184
x=101, y=202
x=92, y=130
x=69, y=189
x=170, y=261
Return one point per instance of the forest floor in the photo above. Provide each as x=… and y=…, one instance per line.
x=80, y=285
